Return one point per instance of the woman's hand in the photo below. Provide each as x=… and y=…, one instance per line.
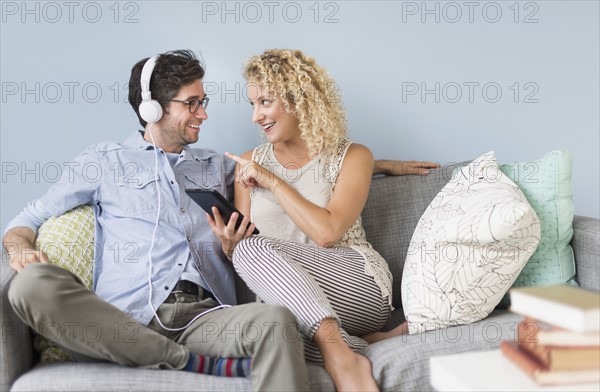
x=228, y=234
x=251, y=174
x=403, y=168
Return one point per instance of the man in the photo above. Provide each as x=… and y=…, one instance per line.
x=178, y=271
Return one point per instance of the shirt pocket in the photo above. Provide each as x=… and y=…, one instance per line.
x=138, y=193
x=198, y=181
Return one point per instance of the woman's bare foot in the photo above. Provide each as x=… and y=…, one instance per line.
x=352, y=373
x=374, y=337
x=348, y=370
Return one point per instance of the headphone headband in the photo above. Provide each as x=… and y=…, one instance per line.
x=145, y=78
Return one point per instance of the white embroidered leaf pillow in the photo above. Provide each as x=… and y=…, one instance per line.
x=468, y=248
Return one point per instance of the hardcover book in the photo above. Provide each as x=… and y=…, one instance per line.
x=540, y=374
x=568, y=307
x=563, y=357
x=551, y=335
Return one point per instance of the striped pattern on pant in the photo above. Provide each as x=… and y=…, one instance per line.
x=315, y=283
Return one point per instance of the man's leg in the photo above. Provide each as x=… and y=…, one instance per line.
x=266, y=333
x=55, y=304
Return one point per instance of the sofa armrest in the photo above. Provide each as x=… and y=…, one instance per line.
x=16, y=350
x=586, y=247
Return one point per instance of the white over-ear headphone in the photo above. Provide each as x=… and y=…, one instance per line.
x=150, y=110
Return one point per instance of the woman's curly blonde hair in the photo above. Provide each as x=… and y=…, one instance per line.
x=307, y=91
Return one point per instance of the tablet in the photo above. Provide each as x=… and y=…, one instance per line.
x=207, y=198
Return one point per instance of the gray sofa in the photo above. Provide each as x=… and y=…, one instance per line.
x=393, y=209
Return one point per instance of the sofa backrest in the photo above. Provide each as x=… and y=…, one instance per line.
x=392, y=212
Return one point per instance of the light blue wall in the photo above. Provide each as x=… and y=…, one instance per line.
x=79, y=55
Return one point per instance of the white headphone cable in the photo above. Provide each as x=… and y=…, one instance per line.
x=221, y=306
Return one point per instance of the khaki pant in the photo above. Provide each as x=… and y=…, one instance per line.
x=55, y=304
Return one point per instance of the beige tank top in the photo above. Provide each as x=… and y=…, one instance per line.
x=315, y=181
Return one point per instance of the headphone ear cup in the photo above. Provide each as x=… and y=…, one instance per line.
x=151, y=111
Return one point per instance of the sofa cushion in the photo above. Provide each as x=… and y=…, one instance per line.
x=399, y=364
x=402, y=363
x=468, y=248
x=102, y=376
x=547, y=184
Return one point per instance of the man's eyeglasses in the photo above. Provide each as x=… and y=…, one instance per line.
x=193, y=104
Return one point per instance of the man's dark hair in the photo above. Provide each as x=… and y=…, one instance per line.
x=172, y=71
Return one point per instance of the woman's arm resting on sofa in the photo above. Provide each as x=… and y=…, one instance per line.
x=401, y=168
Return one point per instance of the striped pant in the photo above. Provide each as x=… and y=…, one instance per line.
x=315, y=283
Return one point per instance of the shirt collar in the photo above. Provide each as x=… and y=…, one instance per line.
x=137, y=142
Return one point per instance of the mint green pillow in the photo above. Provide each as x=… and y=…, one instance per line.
x=548, y=187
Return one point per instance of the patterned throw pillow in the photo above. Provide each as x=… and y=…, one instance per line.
x=468, y=248
x=68, y=241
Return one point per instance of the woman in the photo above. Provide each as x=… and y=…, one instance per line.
x=305, y=189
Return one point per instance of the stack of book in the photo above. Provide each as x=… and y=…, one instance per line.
x=558, y=341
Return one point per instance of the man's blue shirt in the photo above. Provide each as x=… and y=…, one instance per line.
x=119, y=181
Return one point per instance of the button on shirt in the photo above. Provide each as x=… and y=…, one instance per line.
x=190, y=272
x=120, y=182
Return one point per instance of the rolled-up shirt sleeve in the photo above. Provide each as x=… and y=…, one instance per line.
x=77, y=186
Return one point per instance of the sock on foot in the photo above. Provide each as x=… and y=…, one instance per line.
x=226, y=367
